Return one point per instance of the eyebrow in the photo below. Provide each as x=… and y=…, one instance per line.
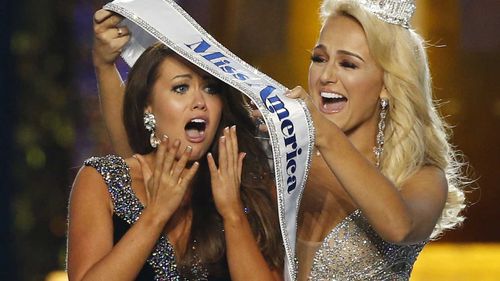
x=182, y=76
x=343, y=52
x=350, y=54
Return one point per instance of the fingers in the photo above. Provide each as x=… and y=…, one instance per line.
x=211, y=165
x=230, y=151
x=113, y=32
x=169, y=160
x=297, y=92
x=234, y=144
x=222, y=153
x=109, y=39
x=181, y=164
x=187, y=177
x=102, y=15
x=106, y=26
x=106, y=19
x=241, y=157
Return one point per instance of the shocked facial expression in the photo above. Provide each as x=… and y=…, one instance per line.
x=344, y=80
x=187, y=105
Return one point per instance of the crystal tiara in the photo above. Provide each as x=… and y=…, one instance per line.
x=392, y=11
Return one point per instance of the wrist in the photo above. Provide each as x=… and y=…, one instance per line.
x=325, y=133
x=154, y=219
x=101, y=66
x=235, y=217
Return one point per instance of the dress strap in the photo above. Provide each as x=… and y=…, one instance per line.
x=116, y=174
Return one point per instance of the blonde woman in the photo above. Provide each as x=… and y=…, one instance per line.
x=389, y=180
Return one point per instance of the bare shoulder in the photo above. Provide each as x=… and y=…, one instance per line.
x=89, y=189
x=429, y=179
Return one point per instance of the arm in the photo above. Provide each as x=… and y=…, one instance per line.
x=401, y=217
x=91, y=253
x=244, y=257
x=108, y=43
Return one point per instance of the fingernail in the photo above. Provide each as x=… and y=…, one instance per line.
x=233, y=127
x=223, y=139
x=288, y=93
x=189, y=148
x=226, y=129
x=164, y=138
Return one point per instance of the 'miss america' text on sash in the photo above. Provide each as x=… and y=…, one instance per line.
x=268, y=96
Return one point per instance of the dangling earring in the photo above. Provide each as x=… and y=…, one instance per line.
x=150, y=124
x=384, y=105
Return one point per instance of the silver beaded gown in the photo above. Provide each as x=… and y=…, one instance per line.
x=354, y=251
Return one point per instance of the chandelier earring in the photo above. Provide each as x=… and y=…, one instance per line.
x=150, y=124
x=384, y=106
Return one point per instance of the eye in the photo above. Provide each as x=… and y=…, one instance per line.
x=213, y=88
x=317, y=58
x=348, y=64
x=180, y=89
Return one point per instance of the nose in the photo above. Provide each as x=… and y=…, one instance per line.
x=329, y=73
x=199, y=101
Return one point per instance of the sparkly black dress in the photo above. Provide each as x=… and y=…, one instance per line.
x=127, y=209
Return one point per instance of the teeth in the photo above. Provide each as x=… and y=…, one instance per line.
x=331, y=95
x=197, y=120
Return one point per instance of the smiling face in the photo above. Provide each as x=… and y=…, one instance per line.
x=187, y=105
x=344, y=80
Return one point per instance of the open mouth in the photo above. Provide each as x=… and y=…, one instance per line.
x=195, y=129
x=332, y=102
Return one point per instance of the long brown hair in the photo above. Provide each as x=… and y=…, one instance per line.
x=256, y=185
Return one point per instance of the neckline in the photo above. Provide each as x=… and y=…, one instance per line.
x=334, y=229
x=337, y=227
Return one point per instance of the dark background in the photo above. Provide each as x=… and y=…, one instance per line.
x=50, y=120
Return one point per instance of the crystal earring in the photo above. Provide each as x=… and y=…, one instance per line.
x=150, y=124
x=384, y=106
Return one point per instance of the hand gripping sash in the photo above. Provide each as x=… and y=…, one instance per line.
x=289, y=122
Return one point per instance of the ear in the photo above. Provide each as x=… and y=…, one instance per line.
x=148, y=109
x=384, y=94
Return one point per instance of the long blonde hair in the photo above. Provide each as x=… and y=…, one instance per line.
x=415, y=134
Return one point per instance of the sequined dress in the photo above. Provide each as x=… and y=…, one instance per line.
x=126, y=211
x=354, y=251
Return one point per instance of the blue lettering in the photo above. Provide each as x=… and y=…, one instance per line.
x=228, y=69
x=291, y=166
x=288, y=125
x=201, y=47
x=213, y=56
x=291, y=182
x=241, y=76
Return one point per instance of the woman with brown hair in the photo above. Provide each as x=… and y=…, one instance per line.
x=188, y=205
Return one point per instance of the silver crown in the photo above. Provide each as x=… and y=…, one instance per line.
x=397, y=12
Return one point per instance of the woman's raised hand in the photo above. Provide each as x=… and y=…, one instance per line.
x=321, y=123
x=226, y=178
x=109, y=38
x=167, y=183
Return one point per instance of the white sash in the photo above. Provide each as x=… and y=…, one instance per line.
x=289, y=123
